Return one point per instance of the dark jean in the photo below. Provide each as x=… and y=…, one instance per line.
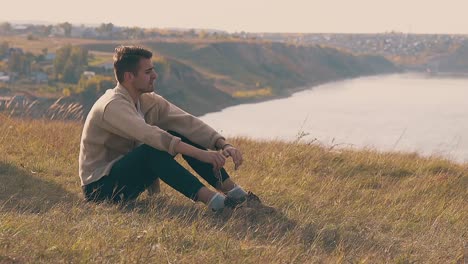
x=138, y=169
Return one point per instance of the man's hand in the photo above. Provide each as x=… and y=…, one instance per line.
x=231, y=151
x=215, y=158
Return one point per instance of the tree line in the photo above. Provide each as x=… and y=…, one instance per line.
x=111, y=31
x=65, y=71
x=68, y=65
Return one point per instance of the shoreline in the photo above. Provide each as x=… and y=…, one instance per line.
x=448, y=152
x=284, y=93
x=288, y=92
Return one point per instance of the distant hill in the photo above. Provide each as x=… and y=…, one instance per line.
x=205, y=76
x=456, y=62
x=202, y=76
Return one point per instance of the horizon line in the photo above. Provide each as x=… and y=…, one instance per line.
x=394, y=31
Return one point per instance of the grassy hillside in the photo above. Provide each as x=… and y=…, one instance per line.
x=336, y=206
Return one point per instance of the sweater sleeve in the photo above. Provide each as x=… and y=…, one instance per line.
x=123, y=119
x=175, y=119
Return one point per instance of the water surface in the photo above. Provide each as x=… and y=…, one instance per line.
x=404, y=112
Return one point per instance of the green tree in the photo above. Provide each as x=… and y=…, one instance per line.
x=44, y=30
x=21, y=63
x=106, y=30
x=5, y=28
x=202, y=34
x=91, y=88
x=133, y=33
x=29, y=59
x=15, y=62
x=67, y=28
x=4, y=46
x=61, y=58
x=70, y=72
x=31, y=37
x=70, y=61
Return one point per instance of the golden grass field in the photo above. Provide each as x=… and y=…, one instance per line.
x=333, y=206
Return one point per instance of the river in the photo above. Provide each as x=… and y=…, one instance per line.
x=400, y=112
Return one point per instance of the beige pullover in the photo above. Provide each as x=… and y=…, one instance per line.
x=114, y=127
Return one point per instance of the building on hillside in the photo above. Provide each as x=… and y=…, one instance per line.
x=49, y=57
x=89, y=74
x=5, y=79
x=57, y=31
x=19, y=29
x=77, y=32
x=39, y=77
x=89, y=33
x=4, y=91
x=107, y=66
x=14, y=50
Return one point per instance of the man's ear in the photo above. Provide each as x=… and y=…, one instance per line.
x=128, y=76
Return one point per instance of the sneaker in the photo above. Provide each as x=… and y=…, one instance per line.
x=233, y=203
x=249, y=201
x=252, y=200
x=230, y=205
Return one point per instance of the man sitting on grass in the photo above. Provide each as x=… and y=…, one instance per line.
x=131, y=136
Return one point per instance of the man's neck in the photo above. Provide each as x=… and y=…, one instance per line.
x=133, y=92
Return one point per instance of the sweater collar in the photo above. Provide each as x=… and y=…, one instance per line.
x=123, y=91
x=145, y=105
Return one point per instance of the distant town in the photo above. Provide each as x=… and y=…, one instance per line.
x=400, y=48
x=396, y=46
x=393, y=45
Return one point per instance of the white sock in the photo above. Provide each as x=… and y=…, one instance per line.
x=237, y=193
x=216, y=203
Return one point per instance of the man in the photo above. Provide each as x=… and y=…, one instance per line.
x=131, y=136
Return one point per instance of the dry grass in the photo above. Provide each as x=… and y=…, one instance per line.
x=63, y=108
x=333, y=207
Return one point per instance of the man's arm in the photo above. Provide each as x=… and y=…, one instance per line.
x=172, y=118
x=121, y=118
x=220, y=143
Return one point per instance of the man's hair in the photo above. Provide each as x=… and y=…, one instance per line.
x=127, y=59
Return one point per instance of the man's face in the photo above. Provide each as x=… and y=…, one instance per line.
x=143, y=81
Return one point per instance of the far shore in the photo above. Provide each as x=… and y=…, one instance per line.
x=288, y=92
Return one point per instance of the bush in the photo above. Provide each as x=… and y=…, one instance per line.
x=93, y=87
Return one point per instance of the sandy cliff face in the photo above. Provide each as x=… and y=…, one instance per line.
x=203, y=77
x=456, y=62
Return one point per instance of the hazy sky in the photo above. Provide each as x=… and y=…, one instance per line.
x=414, y=16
